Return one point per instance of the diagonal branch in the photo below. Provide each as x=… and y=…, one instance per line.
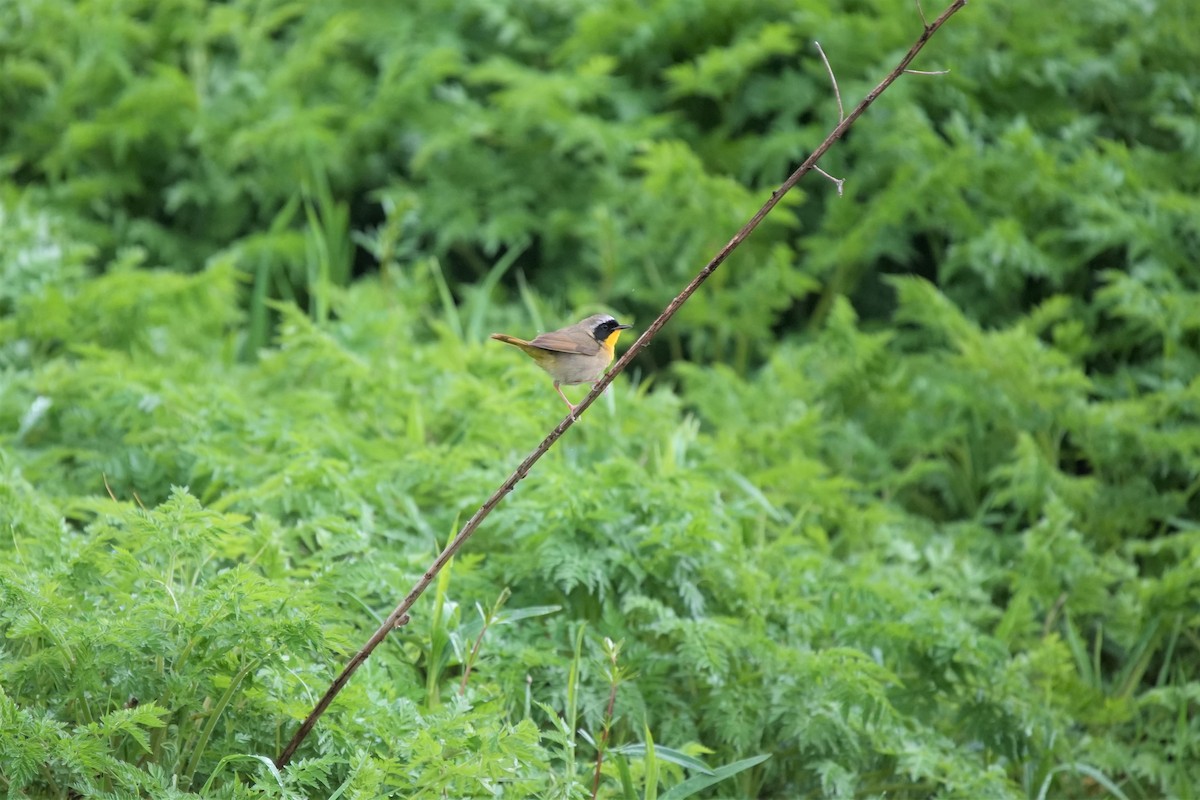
x=399, y=616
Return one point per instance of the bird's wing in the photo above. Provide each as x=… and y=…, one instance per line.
x=562, y=343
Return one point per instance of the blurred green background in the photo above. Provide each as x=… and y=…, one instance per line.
x=904, y=499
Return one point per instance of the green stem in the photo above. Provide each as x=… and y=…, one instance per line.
x=202, y=743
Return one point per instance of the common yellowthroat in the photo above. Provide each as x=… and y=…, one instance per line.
x=575, y=354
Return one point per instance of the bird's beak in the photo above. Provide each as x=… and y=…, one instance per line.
x=623, y=327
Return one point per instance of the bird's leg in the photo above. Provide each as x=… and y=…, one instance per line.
x=570, y=405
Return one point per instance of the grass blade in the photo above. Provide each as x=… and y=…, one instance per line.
x=700, y=782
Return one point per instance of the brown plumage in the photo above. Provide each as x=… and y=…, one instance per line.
x=576, y=354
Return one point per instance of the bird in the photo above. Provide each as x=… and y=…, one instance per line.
x=575, y=354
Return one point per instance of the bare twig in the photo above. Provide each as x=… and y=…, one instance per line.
x=400, y=615
x=838, y=182
x=836, y=91
x=926, y=71
x=921, y=11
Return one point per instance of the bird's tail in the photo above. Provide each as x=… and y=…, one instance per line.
x=504, y=337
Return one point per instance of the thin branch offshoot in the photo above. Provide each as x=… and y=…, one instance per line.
x=840, y=183
x=836, y=91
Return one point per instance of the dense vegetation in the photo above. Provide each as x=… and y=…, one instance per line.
x=903, y=504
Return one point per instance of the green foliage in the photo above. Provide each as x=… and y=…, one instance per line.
x=616, y=146
x=877, y=560
x=927, y=535
x=34, y=254
x=163, y=604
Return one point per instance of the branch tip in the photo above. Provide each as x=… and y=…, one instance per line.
x=836, y=92
x=838, y=182
x=921, y=11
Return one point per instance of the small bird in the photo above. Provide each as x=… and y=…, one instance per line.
x=575, y=354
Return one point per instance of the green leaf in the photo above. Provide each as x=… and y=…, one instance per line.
x=698, y=783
